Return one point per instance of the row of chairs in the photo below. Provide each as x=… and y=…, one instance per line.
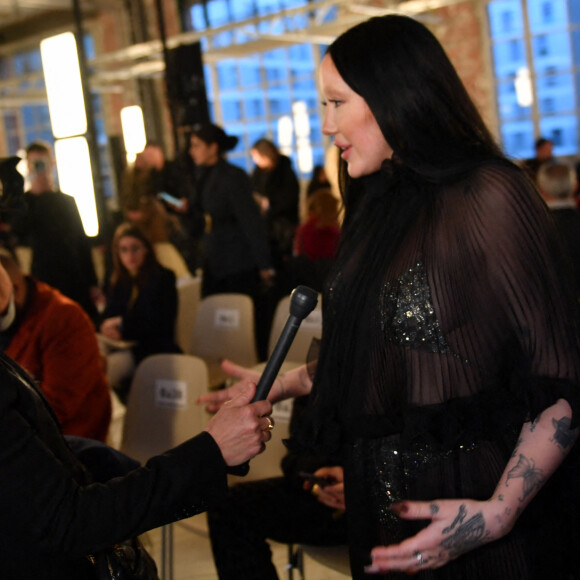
x=222, y=326
x=162, y=413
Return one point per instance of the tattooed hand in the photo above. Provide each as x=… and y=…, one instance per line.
x=457, y=526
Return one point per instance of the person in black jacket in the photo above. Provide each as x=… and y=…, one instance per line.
x=235, y=246
x=53, y=514
x=142, y=300
x=277, y=188
x=51, y=225
x=289, y=509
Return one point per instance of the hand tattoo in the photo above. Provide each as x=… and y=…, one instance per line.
x=433, y=508
x=526, y=469
x=467, y=535
x=564, y=436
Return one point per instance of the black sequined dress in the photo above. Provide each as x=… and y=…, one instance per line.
x=435, y=353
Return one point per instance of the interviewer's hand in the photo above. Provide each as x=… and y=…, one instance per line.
x=457, y=527
x=241, y=429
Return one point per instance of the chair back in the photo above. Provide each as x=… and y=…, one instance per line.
x=310, y=328
x=224, y=328
x=161, y=408
x=169, y=257
x=189, y=297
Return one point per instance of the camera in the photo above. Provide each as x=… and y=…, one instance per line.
x=39, y=166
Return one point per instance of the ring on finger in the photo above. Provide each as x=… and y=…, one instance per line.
x=315, y=489
x=270, y=426
x=419, y=557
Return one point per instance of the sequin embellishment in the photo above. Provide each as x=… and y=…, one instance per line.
x=407, y=313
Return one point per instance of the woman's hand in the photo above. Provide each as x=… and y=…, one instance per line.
x=457, y=527
x=241, y=429
x=111, y=327
x=332, y=494
x=216, y=399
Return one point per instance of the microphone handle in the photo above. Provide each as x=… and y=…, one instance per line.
x=278, y=355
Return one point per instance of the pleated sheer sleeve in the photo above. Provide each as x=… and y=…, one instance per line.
x=507, y=315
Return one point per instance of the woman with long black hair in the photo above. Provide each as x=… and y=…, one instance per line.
x=449, y=367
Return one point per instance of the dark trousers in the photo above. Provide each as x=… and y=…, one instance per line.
x=277, y=509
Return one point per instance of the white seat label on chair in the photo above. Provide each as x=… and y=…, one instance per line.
x=226, y=318
x=172, y=394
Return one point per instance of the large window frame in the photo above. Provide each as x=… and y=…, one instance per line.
x=252, y=95
x=536, y=64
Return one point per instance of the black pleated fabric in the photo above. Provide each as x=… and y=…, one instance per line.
x=447, y=325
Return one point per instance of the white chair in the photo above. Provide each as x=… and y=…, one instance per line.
x=24, y=256
x=189, y=297
x=162, y=413
x=310, y=328
x=224, y=328
x=168, y=255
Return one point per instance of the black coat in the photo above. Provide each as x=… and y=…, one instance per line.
x=51, y=516
x=151, y=319
x=237, y=240
x=61, y=252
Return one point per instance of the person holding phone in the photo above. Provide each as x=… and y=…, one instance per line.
x=305, y=505
x=51, y=226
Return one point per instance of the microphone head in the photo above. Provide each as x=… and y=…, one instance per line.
x=303, y=300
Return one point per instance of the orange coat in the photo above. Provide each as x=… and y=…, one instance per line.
x=56, y=343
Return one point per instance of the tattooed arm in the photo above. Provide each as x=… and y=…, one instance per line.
x=460, y=525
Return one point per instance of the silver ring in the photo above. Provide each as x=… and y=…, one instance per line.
x=419, y=557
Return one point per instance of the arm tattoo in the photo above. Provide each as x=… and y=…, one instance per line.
x=526, y=469
x=516, y=448
x=563, y=436
x=467, y=535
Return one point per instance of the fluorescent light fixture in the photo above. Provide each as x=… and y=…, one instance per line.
x=75, y=177
x=523, y=85
x=62, y=77
x=133, y=131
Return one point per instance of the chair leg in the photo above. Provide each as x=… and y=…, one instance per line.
x=167, y=552
x=295, y=561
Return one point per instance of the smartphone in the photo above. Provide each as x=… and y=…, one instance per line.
x=39, y=166
x=322, y=481
x=170, y=199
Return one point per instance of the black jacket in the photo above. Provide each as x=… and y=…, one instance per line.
x=237, y=240
x=51, y=516
x=151, y=319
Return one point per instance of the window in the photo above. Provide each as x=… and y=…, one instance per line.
x=537, y=73
x=250, y=94
x=30, y=120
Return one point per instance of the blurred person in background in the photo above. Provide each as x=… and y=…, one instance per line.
x=141, y=306
x=51, y=226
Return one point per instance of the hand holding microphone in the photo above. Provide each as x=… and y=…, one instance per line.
x=303, y=300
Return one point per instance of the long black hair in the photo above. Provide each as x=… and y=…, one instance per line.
x=437, y=135
x=421, y=106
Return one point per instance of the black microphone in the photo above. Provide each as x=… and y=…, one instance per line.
x=303, y=300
